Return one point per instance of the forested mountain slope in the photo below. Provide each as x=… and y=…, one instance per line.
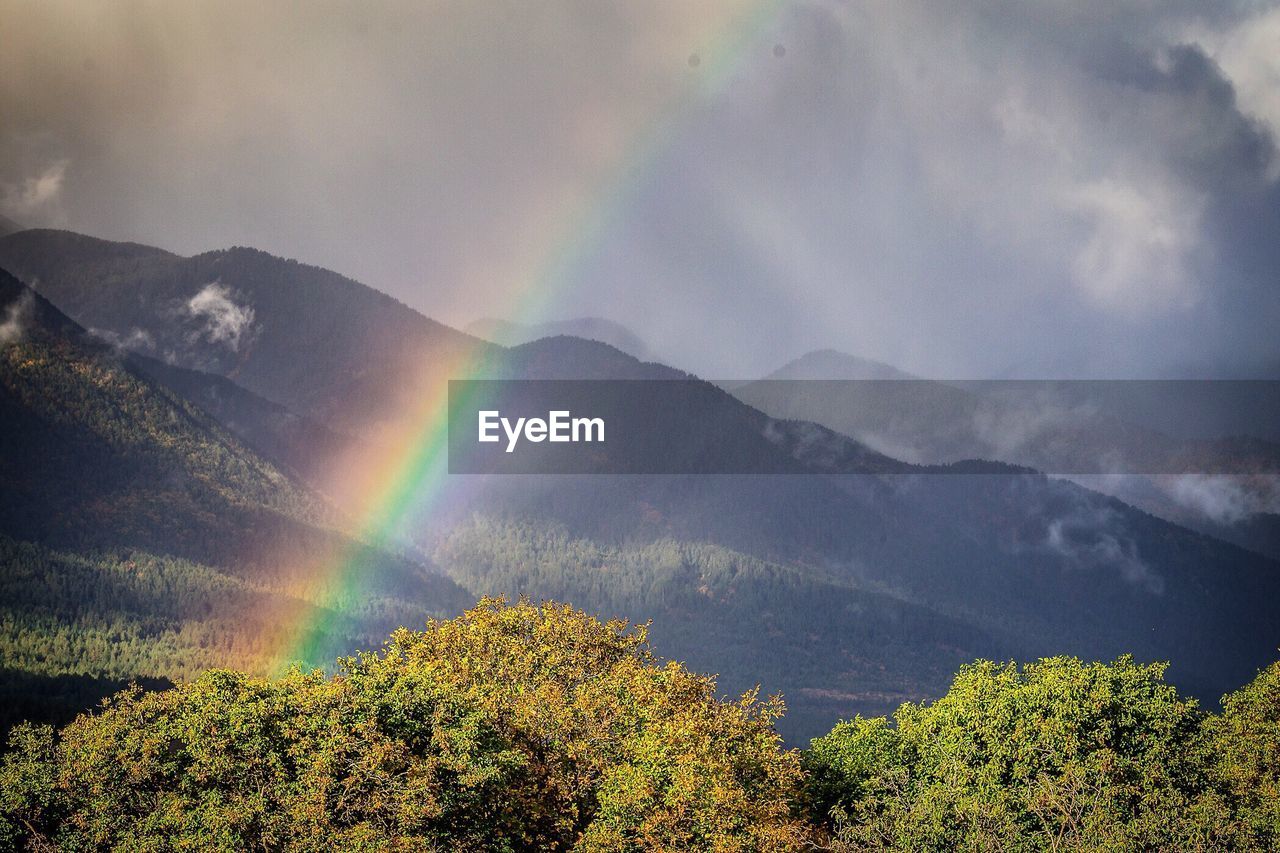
x=979, y=559
x=139, y=538
x=310, y=339
x=916, y=568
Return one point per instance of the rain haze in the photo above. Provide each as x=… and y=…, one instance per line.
x=995, y=189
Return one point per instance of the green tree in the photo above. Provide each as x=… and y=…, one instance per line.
x=1056, y=755
x=1244, y=744
x=511, y=727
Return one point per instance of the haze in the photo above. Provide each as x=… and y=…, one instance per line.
x=983, y=190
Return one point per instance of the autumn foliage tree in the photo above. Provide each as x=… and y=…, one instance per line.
x=512, y=727
x=525, y=727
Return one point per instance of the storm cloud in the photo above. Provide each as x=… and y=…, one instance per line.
x=989, y=189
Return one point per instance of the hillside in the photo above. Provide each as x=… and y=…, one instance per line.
x=141, y=539
x=1203, y=454
x=291, y=441
x=318, y=343
x=843, y=577
x=806, y=574
x=87, y=436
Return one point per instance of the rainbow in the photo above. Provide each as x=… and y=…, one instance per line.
x=410, y=474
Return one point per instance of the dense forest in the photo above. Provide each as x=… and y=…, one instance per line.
x=522, y=726
x=820, y=640
x=75, y=627
x=141, y=540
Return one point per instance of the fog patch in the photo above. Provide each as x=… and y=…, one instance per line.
x=224, y=320
x=135, y=340
x=1092, y=537
x=13, y=327
x=1226, y=499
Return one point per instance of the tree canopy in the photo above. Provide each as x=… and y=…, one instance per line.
x=523, y=726
x=511, y=727
x=1056, y=755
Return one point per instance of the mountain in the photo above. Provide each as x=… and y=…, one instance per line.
x=140, y=539
x=8, y=226
x=838, y=574
x=512, y=334
x=707, y=429
x=847, y=579
x=86, y=432
x=1192, y=452
x=320, y=344
x=289, y=440
x=1241, y=509
x=833, y=364
x=824, y=364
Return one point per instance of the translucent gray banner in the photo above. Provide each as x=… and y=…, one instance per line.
x=863, y=426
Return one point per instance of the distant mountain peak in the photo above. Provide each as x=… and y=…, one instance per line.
x=573, y=357
x=834, y=364
x=509, y=333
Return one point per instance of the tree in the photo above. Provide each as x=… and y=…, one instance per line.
x=1244, y=744
x=1056, y=755
x=511, y=727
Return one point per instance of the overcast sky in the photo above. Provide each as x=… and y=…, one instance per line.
x=988, y=189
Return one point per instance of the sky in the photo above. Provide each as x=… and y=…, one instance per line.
x=991, y=189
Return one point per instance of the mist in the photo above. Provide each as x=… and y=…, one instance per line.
x=989, y=191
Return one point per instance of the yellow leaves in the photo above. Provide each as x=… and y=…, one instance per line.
x=514, y=726
x=603, y=720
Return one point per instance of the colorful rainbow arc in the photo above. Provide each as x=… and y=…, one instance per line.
x=410, y=478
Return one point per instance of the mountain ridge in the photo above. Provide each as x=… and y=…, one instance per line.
x=140, y=539
x=317, y=342
x=829, y=363
x=987, y=560
x=509, y=333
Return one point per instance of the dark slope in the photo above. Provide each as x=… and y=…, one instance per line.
x=289, y=440
x=1199, y=454
x=849, y=583
x=91, y=445
x=310, y=339
x=1003, y=563
x=140, y=539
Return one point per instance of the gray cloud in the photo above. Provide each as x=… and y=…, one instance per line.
x=1093, y=537
x=987, y=189
x=1225, y=499
x=977, y=194
x=224, y=321
x=16, y=313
